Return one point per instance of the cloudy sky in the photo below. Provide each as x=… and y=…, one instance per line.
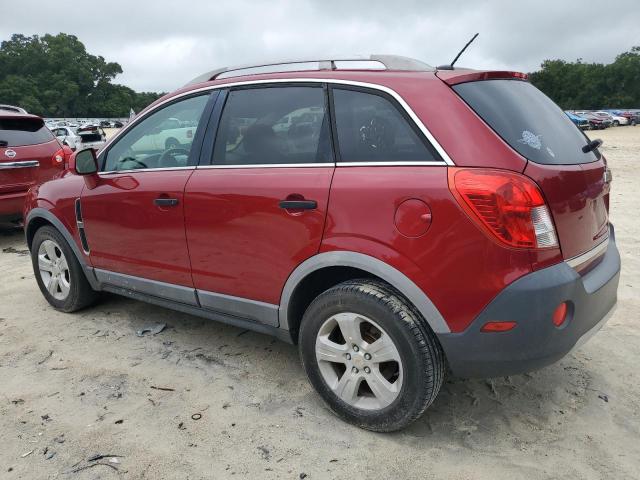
x=161, y=44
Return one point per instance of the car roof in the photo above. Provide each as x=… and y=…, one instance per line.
x=373, y=62
x=384, y=79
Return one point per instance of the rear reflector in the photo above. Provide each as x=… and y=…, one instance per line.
x=507, y=205
x=498, y=326
x=560, y=314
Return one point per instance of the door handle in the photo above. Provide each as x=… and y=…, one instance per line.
x=298, y=204
x=166, y=202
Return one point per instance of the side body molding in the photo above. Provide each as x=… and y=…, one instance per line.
x=39, y=212
x=369, y=264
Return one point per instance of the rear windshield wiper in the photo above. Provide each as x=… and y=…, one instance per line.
x=4, y=143
x=592, y=145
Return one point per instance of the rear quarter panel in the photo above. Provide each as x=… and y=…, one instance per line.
x=457, y=266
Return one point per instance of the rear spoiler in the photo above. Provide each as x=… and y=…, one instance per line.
x=454, y=77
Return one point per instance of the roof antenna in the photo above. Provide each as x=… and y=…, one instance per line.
x=450, y=66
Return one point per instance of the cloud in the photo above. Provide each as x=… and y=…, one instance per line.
x=163, y=44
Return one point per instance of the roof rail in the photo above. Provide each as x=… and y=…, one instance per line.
x=352, y=62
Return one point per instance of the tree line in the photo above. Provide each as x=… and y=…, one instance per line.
x=578, y=85
x=55, y=76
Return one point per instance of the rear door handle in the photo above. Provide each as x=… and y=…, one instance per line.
x=298, y=204
x=166, y=202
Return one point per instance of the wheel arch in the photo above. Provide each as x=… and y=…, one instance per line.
x=325, y=270
x=39, y=217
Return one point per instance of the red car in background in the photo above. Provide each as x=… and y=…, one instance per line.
x=29, y=155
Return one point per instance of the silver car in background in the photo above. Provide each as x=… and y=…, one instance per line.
x=90, y=136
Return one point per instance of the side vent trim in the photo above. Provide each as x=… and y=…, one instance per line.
x=80, y=224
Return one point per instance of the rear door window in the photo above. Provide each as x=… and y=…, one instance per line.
x=274, y=125
x=527, y=120
x=372, y=129
x=18, y=132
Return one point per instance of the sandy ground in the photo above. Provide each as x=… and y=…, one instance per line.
x=85, y=384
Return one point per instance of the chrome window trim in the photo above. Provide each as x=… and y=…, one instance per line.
x=585, y=257
x=22, y=164
x=425, y=131
x=158, y=169
x=388, y=164
x=267, y=165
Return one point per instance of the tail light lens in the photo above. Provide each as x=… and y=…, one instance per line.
x=507, y=205
x=58, y=159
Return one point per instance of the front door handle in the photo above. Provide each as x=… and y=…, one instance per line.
x=298, y=204
x=166, y=202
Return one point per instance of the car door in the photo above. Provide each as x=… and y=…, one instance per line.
x=133, y=218
x=258, y=210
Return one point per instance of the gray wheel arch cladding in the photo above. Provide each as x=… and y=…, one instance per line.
x=371, y=265
x=55, y=221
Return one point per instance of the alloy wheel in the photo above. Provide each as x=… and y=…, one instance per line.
x=359, y=361
x=54, y=270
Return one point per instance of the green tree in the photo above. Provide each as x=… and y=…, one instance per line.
x=54, y=75
x=579, y=85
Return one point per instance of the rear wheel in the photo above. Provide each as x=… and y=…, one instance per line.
x=370, y=355
x=616, y=123
x=58, y=273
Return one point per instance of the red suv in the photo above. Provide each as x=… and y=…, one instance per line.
x=29, y=154
x=393, y=220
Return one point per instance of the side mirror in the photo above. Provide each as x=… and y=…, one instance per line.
x=86, y=162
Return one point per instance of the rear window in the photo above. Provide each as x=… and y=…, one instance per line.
x=17, y=132
x=527, y=120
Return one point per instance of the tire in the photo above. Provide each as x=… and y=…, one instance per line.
x=616, y=123
x=72, y=291
x=348, y=381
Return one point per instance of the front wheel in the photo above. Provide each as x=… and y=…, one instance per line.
x=58, y=272
x=372, y=358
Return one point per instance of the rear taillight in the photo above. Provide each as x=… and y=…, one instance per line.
x=507, y=205
x=58, y=159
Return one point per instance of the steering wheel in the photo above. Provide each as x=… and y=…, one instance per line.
x=133, y=160
x=171, y=153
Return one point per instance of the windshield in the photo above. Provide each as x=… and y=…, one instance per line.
x=527, y=120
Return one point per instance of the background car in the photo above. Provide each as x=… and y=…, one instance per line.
x=67, y=136
x=11, y=108
x=29, y=155
x=90, y=137
x=632, y=117
x=595, y=122
x=171, y=133
x=579, y=121
x=616, y=120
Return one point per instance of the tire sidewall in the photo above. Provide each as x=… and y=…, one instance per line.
x=393, y=416
x=75, y=274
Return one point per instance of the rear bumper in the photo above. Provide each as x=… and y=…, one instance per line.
x=11, y=205
x=530, y=301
